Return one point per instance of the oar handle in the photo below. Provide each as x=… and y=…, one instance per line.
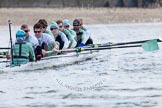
x=62, y=51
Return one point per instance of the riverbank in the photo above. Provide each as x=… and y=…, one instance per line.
x=90, y=15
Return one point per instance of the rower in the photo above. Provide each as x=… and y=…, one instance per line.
x=82, y=39
x=28, y=37
x=69, y=33
x=23, y=51
x=46, y=42
x=59, y=36
x=88, y=34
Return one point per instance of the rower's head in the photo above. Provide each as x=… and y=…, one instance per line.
x=26, y=29
x=66, y=24
x=81, y=22
x=37, y=30
x=60, y=24
x=76, y=24
x=20, y=34
x=54, y=28
x=44, y=24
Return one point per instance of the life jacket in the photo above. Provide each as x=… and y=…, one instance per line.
x=58, y=39
x=20, y=42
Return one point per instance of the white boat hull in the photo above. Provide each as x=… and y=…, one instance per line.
x=54, y=61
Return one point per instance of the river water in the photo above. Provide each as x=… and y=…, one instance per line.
x=117, y=78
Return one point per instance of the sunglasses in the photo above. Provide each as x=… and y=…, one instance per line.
x=45, y=27
x=53, y=28
x=26, y=31
x=60, y=26
x=37, y=31
x=76, y=25
x=66, y=26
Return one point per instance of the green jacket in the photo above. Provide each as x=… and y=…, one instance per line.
x=83, y=28
x=81, y=35
x=48, y=32
x=70, y=35
x=22, y=53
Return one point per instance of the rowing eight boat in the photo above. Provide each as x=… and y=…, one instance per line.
x=51, y=61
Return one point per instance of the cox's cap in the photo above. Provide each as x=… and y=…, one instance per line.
x=20, y=34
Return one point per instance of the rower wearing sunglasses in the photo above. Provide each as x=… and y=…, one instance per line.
x=46, y=42
x=82, y=38
x=59, y=36
x=28, y=37
x=64, y=26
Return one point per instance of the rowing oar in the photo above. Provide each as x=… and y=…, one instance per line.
x=78, y=50
x=2, y=56
x=105, y=48
x=150, y=45
x=124, y=43
x=5, y=61
x=4, y=48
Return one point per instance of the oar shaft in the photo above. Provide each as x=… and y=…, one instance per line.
x=104, y=48
x=2, y=56
x=5, y=48
x=125, y=43
x=4, y=61
x=9, y=25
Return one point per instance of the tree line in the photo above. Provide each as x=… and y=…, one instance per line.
x=80, y=3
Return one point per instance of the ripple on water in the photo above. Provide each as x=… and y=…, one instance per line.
x=2, y=92
x=136, y=104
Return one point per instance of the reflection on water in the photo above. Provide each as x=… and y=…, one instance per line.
x=117, y=78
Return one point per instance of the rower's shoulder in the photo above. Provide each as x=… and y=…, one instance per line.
x=45, y=35
x=82, y=31
x=29, y=44
x=83, y=28
x=32, y=37
x=61, y=33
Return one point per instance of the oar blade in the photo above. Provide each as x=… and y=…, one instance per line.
x=150, y=45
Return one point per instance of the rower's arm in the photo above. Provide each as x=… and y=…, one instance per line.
x=72, y=39
x=52, y=42
x=55, y=46
x=31, y=52
x=84, y=38
x=65, y=40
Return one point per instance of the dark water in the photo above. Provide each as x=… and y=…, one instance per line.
x=118, y=78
